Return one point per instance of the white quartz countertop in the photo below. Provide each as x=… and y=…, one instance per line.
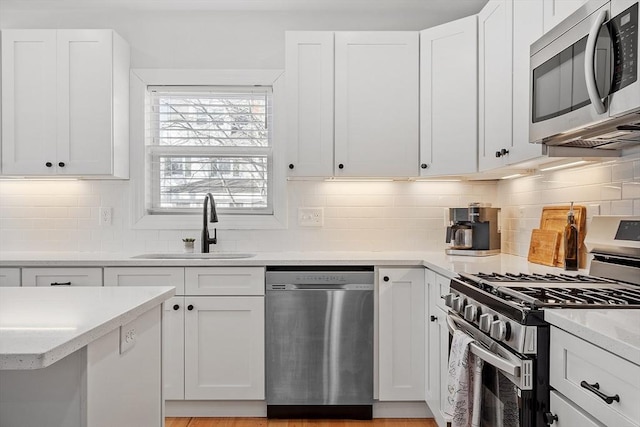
x=617, y=331
x=39, y=326
x=446, y=265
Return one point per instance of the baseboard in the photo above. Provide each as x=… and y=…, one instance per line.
x=258, y=409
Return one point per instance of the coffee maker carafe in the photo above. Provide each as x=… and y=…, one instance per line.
x=473, y=231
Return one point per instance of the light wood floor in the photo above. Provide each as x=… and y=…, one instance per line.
x=263, y=422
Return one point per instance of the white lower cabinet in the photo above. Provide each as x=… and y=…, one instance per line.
x=62, y=276
x=9, y=276
x=436, y=346
x=212, y=343
x=224, y=348
x=587, y=375
x=401, y=334
x=569, y=415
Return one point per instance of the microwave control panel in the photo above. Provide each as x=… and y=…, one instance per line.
x=624, y=38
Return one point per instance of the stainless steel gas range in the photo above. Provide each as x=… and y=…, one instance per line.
x=504, y=313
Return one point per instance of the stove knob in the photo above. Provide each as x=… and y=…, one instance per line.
x=485, y=323
x=458, y=304
x=470, y=313
x=448, y=299
x=498, y=330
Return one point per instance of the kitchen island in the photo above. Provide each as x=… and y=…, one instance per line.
x=81, y=356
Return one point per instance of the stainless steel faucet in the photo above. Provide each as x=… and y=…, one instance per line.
x=213, y=217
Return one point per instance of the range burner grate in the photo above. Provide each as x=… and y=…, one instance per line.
x=541, y=278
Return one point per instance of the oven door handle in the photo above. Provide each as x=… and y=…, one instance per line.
x=489, y=357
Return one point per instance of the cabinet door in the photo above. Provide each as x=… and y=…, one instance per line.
x=448, y=98
x=494, y=54
x=145, y=276
x=62, y=276
x=309, y=71
x=84, y=82
x=224, y=348
x=376, y=103
x=527, y=28
x=401, y=334
x=9, y=276
x=28, y=101
x=557, y=10
x=173, y=348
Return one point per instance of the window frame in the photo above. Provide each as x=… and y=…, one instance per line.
x=140, y=79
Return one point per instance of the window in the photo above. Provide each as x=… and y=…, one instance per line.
x=209, y=139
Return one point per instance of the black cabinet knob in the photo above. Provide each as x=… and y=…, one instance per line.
x=385, y=278
x=291, y=166
x=61, y=164
x=424, y=166
x=176, y=306
x=190, y=307
x=48, y=164
x=504, y=151
x=340, y=166
x=549, y=418
x=498, y=154
x=433, y=318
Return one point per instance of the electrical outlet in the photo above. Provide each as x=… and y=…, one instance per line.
x=127, y=338
x=105, y=216
x=310, y=217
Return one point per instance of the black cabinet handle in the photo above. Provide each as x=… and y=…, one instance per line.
x=504, y=151
x=176, y=306
x=498, y=154
x=549, y=418
x=340, y=166
x=61, y=164
x=424, y=166
x=190, y=307
x=48, y=164
x=595, y=389
x=61, y=284
x=385, y=278
x=291, y=166
x=433, y=318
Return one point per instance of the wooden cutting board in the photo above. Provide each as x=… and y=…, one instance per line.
x=543, y=248
x=554, y=218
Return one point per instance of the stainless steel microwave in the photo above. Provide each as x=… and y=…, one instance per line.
x=584, y=85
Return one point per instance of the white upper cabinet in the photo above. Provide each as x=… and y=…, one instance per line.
x=557, y=10
x=448, y=98
x=527, y=28
x=495, y=53
x=309, y=68
x=65, y=103
x=376, y=103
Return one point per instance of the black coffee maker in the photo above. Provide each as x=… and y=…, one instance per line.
x=473, y=231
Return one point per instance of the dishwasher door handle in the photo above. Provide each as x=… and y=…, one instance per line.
x=319, y=287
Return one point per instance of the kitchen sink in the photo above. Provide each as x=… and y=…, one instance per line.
x=211, y=255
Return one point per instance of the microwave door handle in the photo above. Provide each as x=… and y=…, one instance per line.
x=491, y=358
x=589, y=64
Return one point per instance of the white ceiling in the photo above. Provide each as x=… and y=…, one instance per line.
x=458, y=8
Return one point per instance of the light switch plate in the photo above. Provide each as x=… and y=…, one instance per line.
x=310, y=217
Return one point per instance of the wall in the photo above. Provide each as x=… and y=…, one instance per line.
x=606, y=188
x=63, y=215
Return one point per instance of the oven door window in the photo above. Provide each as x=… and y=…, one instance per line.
x=502, y=401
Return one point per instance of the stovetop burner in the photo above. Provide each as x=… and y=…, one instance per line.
x=557, y=290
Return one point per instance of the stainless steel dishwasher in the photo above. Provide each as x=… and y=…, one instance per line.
x=319, y=342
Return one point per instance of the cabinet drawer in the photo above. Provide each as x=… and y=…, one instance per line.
x=9, y=276
x=568, y=414
x=145, y=276
x=62, y=276
x=224, y=280
x=574, y=360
